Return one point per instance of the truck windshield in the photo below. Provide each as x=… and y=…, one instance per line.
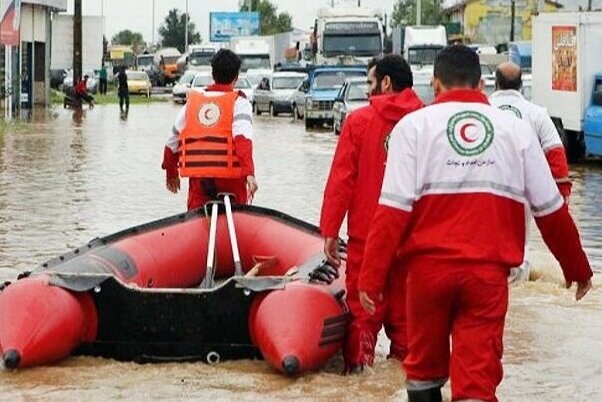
x=357, y=91
x=423, y=55
x=200, y=59
x=334, y=79
x=144, y=61
x=356, y=45
x=286, y=82
x=260, y=61
x=170, y=59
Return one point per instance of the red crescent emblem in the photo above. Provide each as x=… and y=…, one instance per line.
x=207, y=113
x=463, y=132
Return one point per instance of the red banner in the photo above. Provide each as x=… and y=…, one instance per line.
x=564, y=58
x=9, y=27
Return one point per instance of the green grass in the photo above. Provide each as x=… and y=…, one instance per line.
x=111, y=98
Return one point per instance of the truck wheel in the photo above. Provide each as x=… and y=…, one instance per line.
x=273, y=113
x=574, y=143
x=309, y=123
x=296, y=114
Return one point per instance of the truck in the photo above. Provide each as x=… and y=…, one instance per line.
x=419, y=45
x=61, y=51
x=254, y=51
x=567, y=77
x=353, y=33
x=198, y=58
x=165, y=61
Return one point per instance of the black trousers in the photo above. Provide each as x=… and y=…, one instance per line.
x=102, y=86
x=124, y=98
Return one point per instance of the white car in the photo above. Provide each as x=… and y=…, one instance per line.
x=245, y=87
x=180, y=89
x=352, y=96
x=202, y=80
x=424, y=90
x=274, y=94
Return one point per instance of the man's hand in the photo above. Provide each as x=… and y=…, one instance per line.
x=331, y=249
x=251, y=187
x=173, y=184
x=582, y=288
x=367, y=303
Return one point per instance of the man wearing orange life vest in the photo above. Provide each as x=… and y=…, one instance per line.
x=211, y=141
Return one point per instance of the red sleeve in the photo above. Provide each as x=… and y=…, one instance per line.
x=170, y=163
x=386, y=233
x=244, y=150
x=562, y=238
x=341, y=182
x=559, y=166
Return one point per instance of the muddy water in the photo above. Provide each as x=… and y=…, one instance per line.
x=67, y=179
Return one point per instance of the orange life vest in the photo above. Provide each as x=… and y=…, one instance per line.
x=206, y=143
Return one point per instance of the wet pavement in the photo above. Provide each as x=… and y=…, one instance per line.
x=67, y=179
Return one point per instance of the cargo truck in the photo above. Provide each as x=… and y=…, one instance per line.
x=567, y=77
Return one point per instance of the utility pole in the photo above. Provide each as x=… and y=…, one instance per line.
x=512, y=15
x=589, y=5
x=250, y=5
x=77, y=42
x=418, y=12
x=153, y=33
x=186, y=30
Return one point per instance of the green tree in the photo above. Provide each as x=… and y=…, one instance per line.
x=404, y=12
x=270, y=21
x=173, y=30
x=129, y=38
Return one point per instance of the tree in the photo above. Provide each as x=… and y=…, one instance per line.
x=129, y=38
x=404, y=12
x=270, y=22
x=173, y=30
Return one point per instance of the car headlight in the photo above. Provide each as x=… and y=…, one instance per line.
x=309, y=103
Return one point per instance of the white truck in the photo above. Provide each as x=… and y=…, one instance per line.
x=254, y=51
x=354, y=33
x=419, y=45
x=567, y=77
x=61, y=51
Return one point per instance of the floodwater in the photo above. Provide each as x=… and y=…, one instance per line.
x=66, y=179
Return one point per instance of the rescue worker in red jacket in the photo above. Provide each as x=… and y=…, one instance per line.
x=452, y=210
x=352, y=189
x=507, y=96
x=211, y=141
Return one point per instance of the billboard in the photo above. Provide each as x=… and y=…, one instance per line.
x=10, y=14
x=564, y=58
x=224, y=25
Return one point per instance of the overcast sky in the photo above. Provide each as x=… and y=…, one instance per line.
x=136, y=15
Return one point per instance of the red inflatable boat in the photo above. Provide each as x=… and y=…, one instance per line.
x=171, y=290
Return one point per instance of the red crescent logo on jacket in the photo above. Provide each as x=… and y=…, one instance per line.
x=463, y=134
x=209, y=114
x=470, y=133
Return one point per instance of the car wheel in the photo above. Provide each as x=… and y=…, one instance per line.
x=337, y=129
x=296, y=114
x=273, y=113
x=256, y=109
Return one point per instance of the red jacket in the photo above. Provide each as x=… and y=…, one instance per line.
x=358, y=166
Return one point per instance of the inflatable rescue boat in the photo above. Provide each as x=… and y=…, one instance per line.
x=213, y=284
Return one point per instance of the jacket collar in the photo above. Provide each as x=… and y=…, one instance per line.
x=220, y=88
x=462, y=95
x=507, y=92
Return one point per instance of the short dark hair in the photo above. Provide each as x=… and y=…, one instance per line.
x=398, y=70
x=225, y=66
x=458, y=66
x=504, y=82
x=373, y=62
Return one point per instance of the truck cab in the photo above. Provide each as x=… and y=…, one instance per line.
x=592, y=124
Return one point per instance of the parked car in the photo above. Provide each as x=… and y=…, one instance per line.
x=202, y=80
x=138, y=82
x=352, y=96
x=180, y=89
x=245, y=87
x=274, y=93
x=256, y=75
x=314, y=98
x=92, y=84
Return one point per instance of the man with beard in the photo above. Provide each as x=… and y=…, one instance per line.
x=352, y=189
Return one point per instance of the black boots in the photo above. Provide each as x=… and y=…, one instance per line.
x=426, y=395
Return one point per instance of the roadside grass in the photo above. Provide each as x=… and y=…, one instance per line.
x=111, y=98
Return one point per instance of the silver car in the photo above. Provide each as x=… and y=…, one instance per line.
x=298, y=100
x=352, y=95
x=180, y=89
x=274, y=94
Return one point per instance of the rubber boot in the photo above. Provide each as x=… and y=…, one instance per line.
x=425, y=395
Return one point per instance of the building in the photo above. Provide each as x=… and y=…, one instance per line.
x=26, y=38
x=489, y=21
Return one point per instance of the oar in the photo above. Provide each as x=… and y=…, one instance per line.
x=233, y=242
x=261, y=263
x=210, y=271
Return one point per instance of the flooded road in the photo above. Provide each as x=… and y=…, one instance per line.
x=64, y=181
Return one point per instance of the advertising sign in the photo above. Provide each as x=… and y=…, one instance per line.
x=564, y=58
x=351, y=28
x=10, y=12
x=224, y=25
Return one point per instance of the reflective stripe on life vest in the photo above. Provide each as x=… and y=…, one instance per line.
x=206, y=143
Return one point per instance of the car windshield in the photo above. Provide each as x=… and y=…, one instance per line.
x=364, y=45
x=145, y=61
x=286, y=82
x=423, y=56
x=261, y=61
x=357, y=91
x=334, y=79
x=424, y=91
x=526, y=90
x=137, y=75
x=201, y=81
x=200, y=59
x=186, y=78
x=242, y=83
x=170, y=59
x=486, y=69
